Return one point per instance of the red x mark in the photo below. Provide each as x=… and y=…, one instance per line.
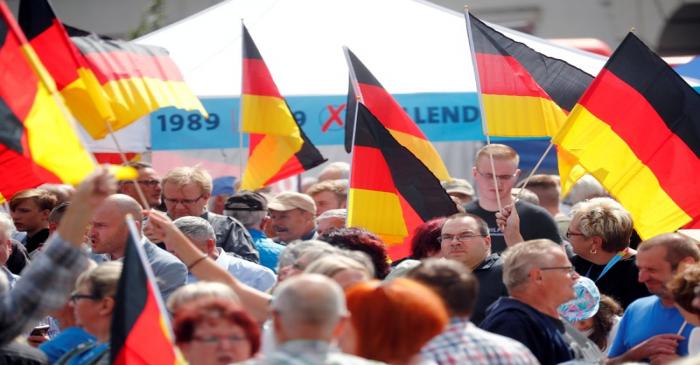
x=335, y=117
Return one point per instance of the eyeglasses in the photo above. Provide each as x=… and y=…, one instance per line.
x=570, y=234
x=569, y=269
x=461, y=237
x=214, y=340
x=75, y=297
x=489, y=176
x=182, y=201
x=149, y=183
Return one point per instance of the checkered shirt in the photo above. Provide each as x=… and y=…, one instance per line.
x=42, y=287
x=464, y=343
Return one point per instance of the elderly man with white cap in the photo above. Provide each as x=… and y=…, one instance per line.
x=292, y=217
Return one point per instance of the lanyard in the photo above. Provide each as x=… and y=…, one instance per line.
x=609, y=265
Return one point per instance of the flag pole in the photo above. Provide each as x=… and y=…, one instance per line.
x=534, y=169
x=484, y=124
x=125, y=161
x=241, y=151
x=358, y=99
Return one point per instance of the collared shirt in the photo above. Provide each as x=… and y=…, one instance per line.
x=232, y=236
x=253, y=275
x=11, y=278
x=44, y=286
x=268, y=249
x=463, y=343
x=308, y=352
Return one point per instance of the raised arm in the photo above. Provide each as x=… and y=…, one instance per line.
x=204, y=268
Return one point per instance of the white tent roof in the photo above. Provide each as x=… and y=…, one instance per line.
x=410, y=45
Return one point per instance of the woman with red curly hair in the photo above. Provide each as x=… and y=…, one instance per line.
x=215, y=331
x=424, y=243
x=390, y=322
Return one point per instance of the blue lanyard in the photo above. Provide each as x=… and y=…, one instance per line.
x=608, y=266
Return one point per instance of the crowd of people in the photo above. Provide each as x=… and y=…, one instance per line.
x=517, y=277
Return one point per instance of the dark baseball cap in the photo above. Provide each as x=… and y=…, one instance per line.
x=246, y=200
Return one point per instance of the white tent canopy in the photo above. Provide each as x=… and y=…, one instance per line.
x=411, y=46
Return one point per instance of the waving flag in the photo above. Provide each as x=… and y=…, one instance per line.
x=104, y=80
x=391, y=115
x=391, y=190
x=37, y=142
x=141, y=332
x=637, y=130
x=524, y=93
x=278, y=146
x=76, y=82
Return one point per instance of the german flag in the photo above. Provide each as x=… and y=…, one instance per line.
x=392, y=116
x=637, y=130
x=278, y=146
x=77, y=83
x=134, y=80
x=138, y=79
x=140, y=332
x=391, y=190
x=524, y=93
x=37, y=142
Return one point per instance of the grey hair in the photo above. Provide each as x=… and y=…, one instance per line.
x=309, y=301
x=586, y=187
x=332, y=264
x=295, y=250
x=247, y=218
x=333, y=213
x=195, y=228
x=201, y=289
x=102, y=279
x=7, y=226
x=520, y=259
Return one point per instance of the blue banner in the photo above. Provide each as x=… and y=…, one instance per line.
x=442, y=117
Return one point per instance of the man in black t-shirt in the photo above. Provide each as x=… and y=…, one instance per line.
x=528, y=222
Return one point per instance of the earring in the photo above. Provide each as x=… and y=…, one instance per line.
x=593, y=251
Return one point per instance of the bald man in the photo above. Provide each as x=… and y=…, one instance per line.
x=308, y=312
x=108, y=235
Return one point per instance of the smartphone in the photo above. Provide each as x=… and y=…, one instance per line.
x=40, y=330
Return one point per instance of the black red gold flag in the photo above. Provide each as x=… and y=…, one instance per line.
x=524, y=93
x=392, y=116
x=637, y=131
x=279, y=147
x=140, y=331
x=391, y=190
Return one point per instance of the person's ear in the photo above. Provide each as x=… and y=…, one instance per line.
x=107, y=306
x=45, y=214
x=684, y=263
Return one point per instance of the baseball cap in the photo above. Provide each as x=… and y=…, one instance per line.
x=586, y=303
x=292, y=200
x=246, y=200
x=223, y=185
x=458, y=186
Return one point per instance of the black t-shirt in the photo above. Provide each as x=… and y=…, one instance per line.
x=491, y=287
x=621, y=282
x=535, y=222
